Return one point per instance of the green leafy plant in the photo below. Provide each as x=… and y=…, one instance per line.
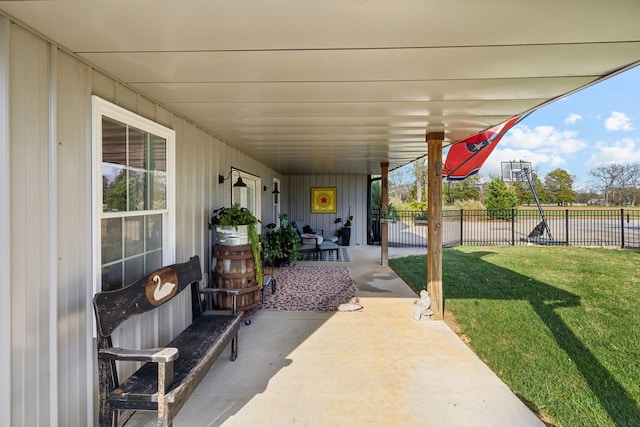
x=280, y=246
x=235, y=216
x=344, y=232
x=232, y=217
x=347, y=223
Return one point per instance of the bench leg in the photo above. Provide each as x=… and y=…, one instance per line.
x=234, y=348
x=107, y=416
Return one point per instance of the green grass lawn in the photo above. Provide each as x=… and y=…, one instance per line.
x=559, y=325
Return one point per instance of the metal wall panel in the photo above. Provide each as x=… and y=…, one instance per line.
x=351, y=194
x=75, y=344
x=29, y=204
x=5, y=226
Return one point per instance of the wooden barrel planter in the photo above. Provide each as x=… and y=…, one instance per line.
x=234, y=268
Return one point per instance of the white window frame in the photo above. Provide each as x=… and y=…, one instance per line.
x=100, y=108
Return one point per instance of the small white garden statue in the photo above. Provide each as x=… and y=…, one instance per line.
x=422, y=308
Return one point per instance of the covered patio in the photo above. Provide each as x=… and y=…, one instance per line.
x=375, y=367
x=286, y=94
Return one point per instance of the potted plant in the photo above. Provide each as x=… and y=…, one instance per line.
x=233, y=224
x=345, y=231
x=281, y=246
x=236, y=225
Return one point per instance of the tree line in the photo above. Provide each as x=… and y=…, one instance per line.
x=610, y=185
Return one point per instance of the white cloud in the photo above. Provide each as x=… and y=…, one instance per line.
x=623, y=151
x=572, y=118
x=544, y=146
x=543, y=139
x=618, y=121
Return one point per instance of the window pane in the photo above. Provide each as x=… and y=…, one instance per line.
x=114, y=183
x=251, y=197
x=158, y=190
x=137, y=148
x=245, y=196
x=137, y=189
x=158, y=150
x=154, y=232
x=133, y=269
x=133, y=236
x=114, y=160
x=111, y=240
x=112, y=277
x=114, y=142
x=154, y=261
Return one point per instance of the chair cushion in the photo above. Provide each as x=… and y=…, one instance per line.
x=311, y=239
x=328, y=246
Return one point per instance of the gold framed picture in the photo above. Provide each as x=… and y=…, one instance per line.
x=323, y=200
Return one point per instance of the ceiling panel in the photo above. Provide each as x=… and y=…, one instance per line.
x=361, y=91
x=349, y=84
x=347, y=65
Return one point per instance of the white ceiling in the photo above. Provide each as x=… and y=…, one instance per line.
x=339, y=86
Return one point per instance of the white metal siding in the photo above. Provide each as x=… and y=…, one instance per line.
x=29, y=204
x=5, y=226
x=351, y=193
x=75, y=345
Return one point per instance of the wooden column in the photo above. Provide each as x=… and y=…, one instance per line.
x=434, y=228
x=384, y=203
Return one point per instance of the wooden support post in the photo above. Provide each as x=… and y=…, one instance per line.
x=384, y=202
x=434, y=228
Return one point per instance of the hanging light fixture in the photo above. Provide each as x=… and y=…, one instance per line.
x=238, y=183
x=275, y=188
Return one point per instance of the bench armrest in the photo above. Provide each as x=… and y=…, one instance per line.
x=233, y=292
x=157, y=355
x=163, y=356
x=220, y=290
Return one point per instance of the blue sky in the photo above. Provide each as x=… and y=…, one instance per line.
x=596, y=126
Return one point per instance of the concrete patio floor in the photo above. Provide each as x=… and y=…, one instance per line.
x=375, y=367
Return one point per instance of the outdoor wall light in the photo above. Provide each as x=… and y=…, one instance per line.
x=275, y=188
x=238, y=183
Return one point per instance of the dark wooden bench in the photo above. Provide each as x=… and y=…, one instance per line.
x=171, y=373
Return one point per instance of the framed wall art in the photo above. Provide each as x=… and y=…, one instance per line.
x=323, y=200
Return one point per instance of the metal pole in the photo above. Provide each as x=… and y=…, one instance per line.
x=513, y=227
x=527, y=174
x=566, y=226
x=622, y=227
x=461, y=226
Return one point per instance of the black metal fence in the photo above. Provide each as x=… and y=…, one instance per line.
x=589, y=227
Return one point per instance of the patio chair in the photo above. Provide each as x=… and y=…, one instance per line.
x=316, y=245
x=304, y=228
